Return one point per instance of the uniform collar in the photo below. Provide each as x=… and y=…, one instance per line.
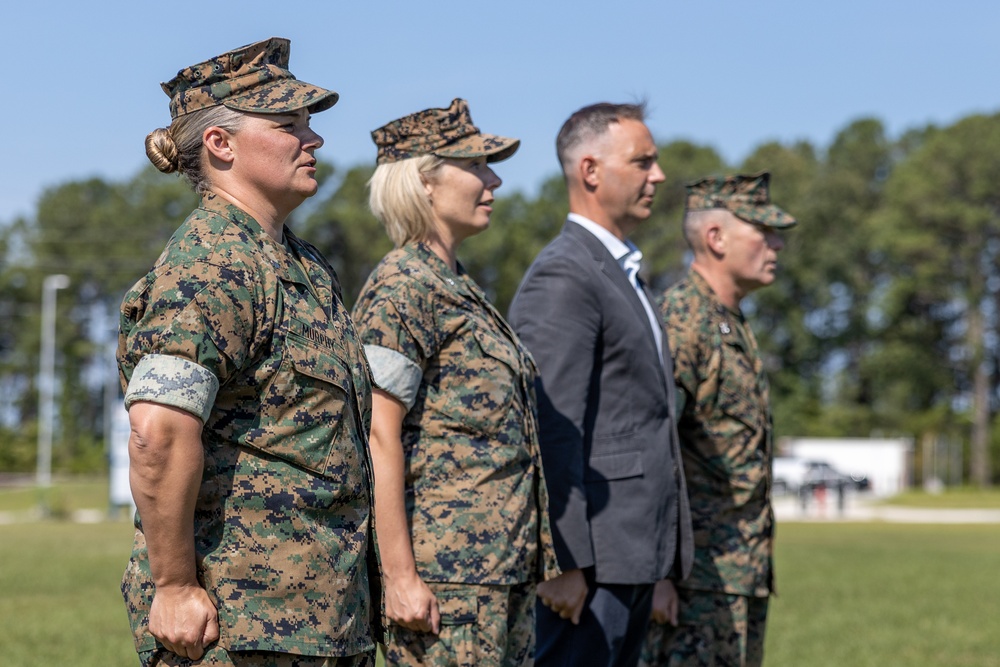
x=279, y=255
x=459, y=282
x=703, y=288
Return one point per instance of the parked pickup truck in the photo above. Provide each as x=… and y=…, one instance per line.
x=791, y=474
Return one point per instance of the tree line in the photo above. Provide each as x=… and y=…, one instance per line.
x=884, y=319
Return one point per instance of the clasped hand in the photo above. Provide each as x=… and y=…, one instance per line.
x=410, y=603
x=565, y=594
x=184, y=620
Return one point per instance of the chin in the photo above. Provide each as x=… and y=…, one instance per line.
x=309, y=191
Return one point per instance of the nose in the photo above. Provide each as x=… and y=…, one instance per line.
x=492, y=181
x=656, y=174
x=312, y=139
x=774, y=240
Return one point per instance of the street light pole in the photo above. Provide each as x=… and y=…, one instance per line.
x=46, y=380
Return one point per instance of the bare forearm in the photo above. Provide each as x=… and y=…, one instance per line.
x=165, y=470
x=408, y=600
x=395, y=546
x=390, y=518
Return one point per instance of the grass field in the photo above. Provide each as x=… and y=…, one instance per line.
x=849, y=594
x=952, y=498
x=884, y=595
x=59, y=597
x=64, y=496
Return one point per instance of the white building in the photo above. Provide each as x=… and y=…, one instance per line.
x=886, y=462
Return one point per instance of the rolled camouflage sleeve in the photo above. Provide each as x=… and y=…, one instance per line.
x=173, y=381
x=397, y=332
x=200, y=313
x=394, y=373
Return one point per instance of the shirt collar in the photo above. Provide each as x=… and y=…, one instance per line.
x=619, y=249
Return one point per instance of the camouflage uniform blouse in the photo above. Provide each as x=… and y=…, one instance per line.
x=474, y=492
x=283, y=521
x=725, y=431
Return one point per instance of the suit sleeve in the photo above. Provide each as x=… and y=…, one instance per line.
x=558, y=318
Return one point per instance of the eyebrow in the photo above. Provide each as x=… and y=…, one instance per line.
x=293, y=115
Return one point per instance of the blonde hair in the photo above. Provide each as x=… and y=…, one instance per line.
x=396, y=196
x=179, y=147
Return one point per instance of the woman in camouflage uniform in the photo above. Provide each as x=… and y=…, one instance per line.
x=462, y=510
x=248, y=394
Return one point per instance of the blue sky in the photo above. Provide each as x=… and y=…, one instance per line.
x=82, y=78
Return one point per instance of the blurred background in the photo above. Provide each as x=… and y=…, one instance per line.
x=878, y=121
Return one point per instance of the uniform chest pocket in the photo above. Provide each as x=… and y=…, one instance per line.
x=306, y=411
x=739, y=393
x=479, y=382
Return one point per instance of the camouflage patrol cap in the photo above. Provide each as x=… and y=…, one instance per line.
x=442, y=132
x=746, y=197
x=251, y=78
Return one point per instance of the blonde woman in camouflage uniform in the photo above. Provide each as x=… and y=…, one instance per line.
x=461, y=509
x=249, y=397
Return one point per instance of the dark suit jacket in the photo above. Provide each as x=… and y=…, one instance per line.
x=607, y=416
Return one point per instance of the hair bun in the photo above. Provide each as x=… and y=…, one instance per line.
x=161, y=150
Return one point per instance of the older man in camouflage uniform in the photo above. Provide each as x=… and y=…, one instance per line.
x=725, y=426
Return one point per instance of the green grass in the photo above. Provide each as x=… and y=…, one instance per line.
x=964, y=497
x=64, y=496
x=850, y=594
x=885, y=594
x=72, y=494
x=59, y=597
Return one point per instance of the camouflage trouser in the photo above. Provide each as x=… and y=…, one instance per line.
x=713, y=630
x=220, y=657
x=481, y=626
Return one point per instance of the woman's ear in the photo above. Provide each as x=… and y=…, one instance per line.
x=219, y=143
x=428, y=187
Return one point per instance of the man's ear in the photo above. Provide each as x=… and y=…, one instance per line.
x=218, y=143
x=590, y=171
x=715, y=238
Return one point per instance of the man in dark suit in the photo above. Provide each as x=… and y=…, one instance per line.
x=606, y=402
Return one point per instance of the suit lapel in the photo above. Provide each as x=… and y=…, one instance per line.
x=667, y=366
x=609, y=267
x=664, y=341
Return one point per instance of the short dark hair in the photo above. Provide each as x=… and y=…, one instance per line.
x=593, y=121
